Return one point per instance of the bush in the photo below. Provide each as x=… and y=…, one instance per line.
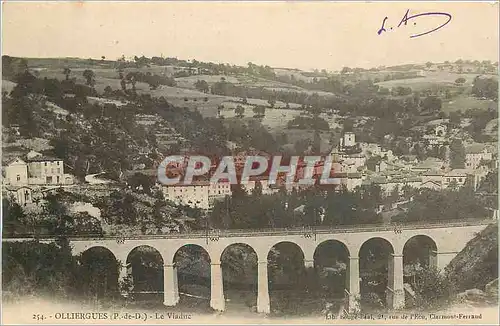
x=432, y=288
x=371, y=300
x=36, y=268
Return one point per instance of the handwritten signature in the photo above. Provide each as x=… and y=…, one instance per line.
x=407, y=18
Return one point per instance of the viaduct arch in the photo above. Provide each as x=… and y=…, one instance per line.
x=448, y=239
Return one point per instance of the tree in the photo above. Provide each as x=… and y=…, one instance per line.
x=133, y=82
x=345, y=70
x=432, y=103
x=67, y=72
x=202, y=86
x=260, y=111
x=89, y=77
x=433, y=289
x=271, y=102
x=428, y=64
x=13, y=217
x=348, y=125
x=460, y=81
x=141, y=180
x=108, y=91
x=457, y=154
x=485, y=87
x=490, y=183
x=455, y=119
x=430, y=205
x=123, y=84
x=239, y=111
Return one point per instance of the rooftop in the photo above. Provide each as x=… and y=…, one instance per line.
x=434, y=172
x=43, y=159
x=475, y=148
x=429, y=163
x=457, y=173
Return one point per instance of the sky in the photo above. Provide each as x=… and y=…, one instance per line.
x=279, y=34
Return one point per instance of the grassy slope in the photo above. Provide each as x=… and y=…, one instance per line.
x=431, y=78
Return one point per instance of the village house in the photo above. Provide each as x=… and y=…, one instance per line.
x=370, y=149
x=430, y=163
x=456, y=178
x=476, y=153
x=434, y=185
x=36, y=169
x=477, y=176
x=16, y=173
x=199, y=194
x=434, y=175
x=352, y=181
x=379, y=166
x=267, y=187
x=348, y=140
x=20, y=194
x=413, y=181
x=434, y=140
x=354, y=161
x=386, y=184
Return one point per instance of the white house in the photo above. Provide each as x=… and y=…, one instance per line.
x=434, y=140
x=46, y=170
x=353, y=181
x=436, y=176
x=37, y=170
x=348, y=140
x=478, y=175
x=371, y=149
x=354, y=160
x=267, y=188
x=476, y=153
x=20, y=194
x=430, y=163
x=431, y=185
x=456, y=177
x=199, y=194
x=16, y=173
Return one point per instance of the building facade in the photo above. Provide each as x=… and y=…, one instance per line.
x=201, y=194
x=37, y=170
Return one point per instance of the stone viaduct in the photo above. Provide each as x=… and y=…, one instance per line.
x=448, y=238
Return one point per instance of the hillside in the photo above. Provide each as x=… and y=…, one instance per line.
x=477, y=264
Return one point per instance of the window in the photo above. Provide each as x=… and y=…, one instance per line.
x=18, y=177
x=45, y=163
x=58, y=163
